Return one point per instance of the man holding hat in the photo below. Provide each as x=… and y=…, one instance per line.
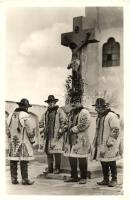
x=77, y=145
x=107, y=141
x=52, y=123
x=21, y=140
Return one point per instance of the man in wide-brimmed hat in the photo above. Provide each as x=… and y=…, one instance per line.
x=77, y=144
x=22, y=138
x=107, y=141
x=52, y=123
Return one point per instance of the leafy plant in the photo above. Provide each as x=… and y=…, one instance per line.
x=74, y=87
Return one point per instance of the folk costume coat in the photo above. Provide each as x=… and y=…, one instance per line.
x=21, y=136
x=52, y=123
x=77, y=142
x=107, y=144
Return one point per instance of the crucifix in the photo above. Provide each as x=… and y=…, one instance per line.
x=76, y=40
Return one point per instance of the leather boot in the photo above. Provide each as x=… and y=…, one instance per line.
x=57, y=163
x=27, y=182
x=105, y=170
x=82, y=181
x=113, y=168
x=83, y=169
x=50, y=163
x=13, y=171
x=70, y=179
x=112, y=183
x=104, y=182
x=24, y=173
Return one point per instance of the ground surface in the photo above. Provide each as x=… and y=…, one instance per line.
x=44, y=186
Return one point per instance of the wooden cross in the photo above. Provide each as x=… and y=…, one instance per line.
x=76, y=40
x=79, y=37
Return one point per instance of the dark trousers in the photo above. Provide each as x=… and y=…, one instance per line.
x=23, y=169
x=50, y=159
x=106, y=166
x=82, y=166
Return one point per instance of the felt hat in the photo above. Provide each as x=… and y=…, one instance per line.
x=51, y=98
x=24, y=103
x=100, y=102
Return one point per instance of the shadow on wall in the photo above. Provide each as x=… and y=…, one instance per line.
x=36, y=109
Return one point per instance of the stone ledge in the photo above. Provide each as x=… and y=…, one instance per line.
x=60, y=176
x=94, y=171
x=63, y=175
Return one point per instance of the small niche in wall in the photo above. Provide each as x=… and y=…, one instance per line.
x=111, y=53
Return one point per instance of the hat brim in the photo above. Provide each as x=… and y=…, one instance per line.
x=75, y=101
x=23, y=105
x=48, y=101
x=107, y=104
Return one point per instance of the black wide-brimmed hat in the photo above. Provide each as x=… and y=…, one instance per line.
x=24, y=103
x=100, y=102
x=51, y=98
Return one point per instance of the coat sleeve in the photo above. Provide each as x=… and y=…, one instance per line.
x=7, y=124
x=25, y=121
x=7, y=131
x=114, y=124
x=42, y=125
x=41, y=122
x=83, y=122
x=62, y=118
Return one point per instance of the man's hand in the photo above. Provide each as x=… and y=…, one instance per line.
x=41, y=124
x=35, y=146
x=102, y=151
x=110, y=142
x=109, y=145
x=115, y=133
x=71, y=131
x=59, y=135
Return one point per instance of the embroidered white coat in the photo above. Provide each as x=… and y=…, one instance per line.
x=80, y=147
x=21, y=136
x=55, y=144
x=107, y=147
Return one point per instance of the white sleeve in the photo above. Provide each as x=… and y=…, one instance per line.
x=23, y=116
